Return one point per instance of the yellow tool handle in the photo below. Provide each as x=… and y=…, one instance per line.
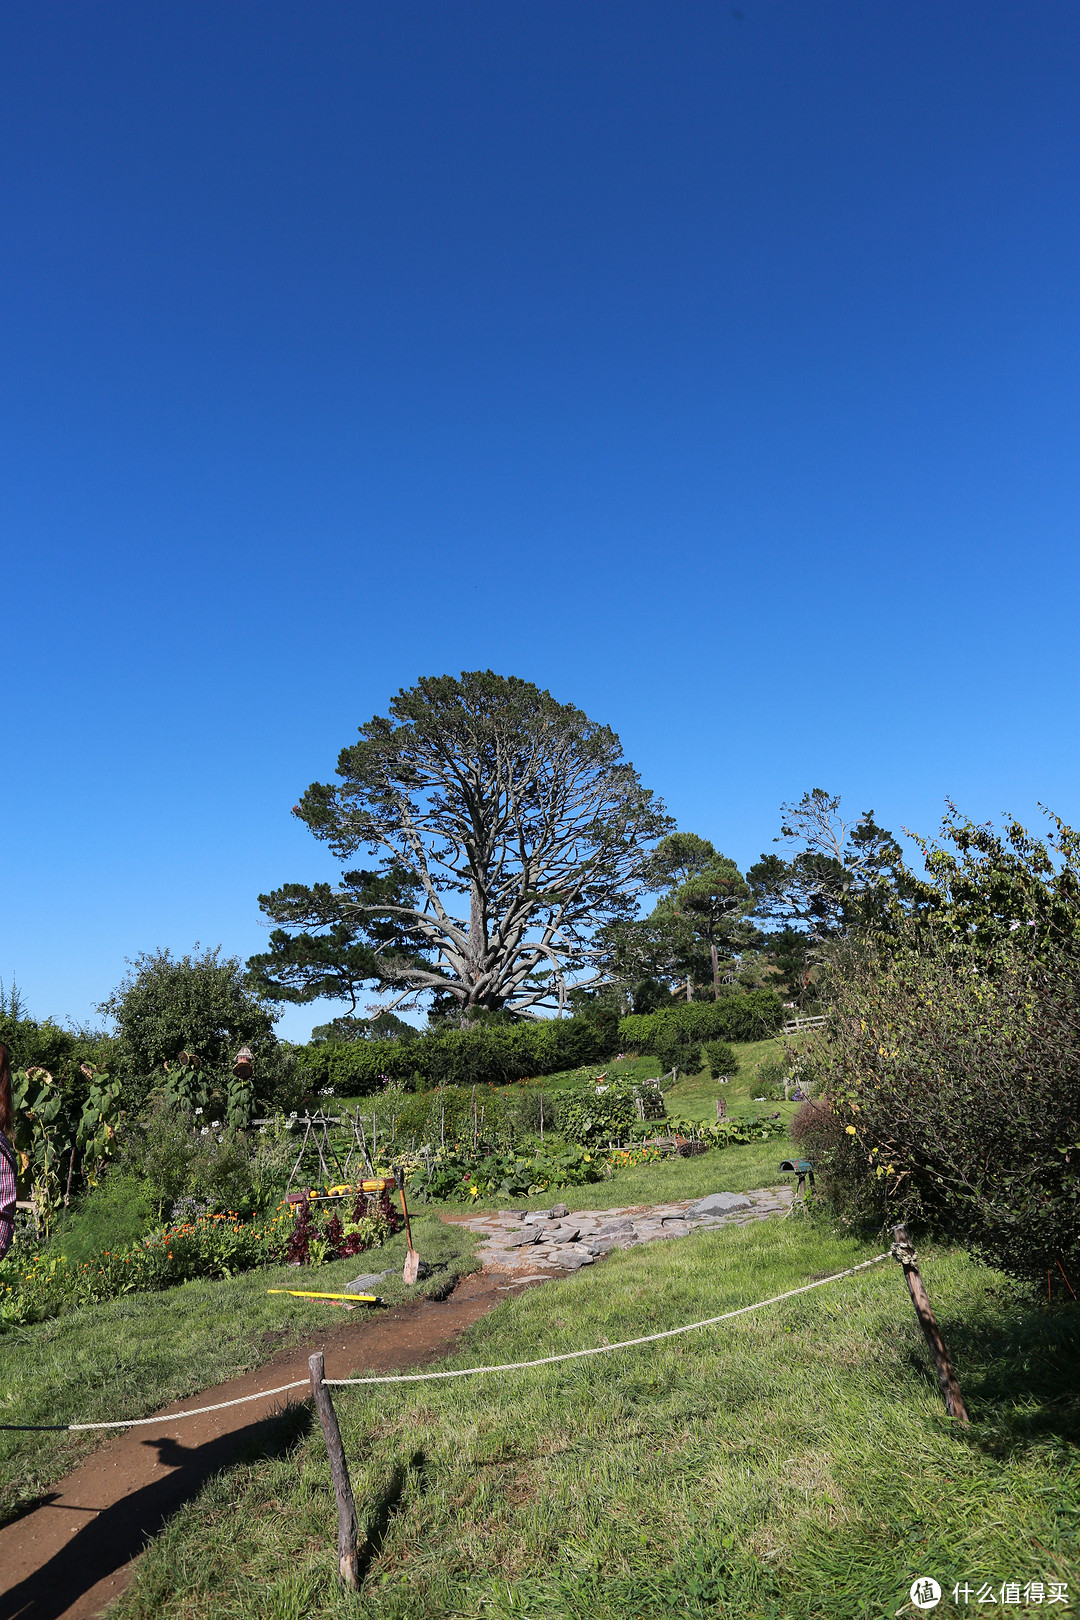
x=298, y=1293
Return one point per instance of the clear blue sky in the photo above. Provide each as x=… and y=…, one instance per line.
x=713, y=366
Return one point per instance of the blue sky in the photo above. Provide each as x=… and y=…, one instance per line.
x=712, y=366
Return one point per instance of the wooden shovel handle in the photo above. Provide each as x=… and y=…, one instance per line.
x=405, y=1212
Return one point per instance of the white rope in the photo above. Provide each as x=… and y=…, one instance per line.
x=605, y=1349
x=464, y=1372
x=195, y=1411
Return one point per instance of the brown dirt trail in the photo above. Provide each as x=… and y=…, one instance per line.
x=69, y=1556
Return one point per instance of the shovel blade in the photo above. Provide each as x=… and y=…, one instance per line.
x=412, y=1268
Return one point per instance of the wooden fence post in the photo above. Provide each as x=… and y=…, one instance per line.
x=347, y=1533
x=904, y=1250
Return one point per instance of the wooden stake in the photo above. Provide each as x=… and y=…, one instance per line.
x=346, y=1508
x=904, y=1250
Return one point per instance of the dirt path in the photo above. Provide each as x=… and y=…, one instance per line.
x=70, y=1556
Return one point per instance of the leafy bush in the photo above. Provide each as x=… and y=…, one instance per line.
x=466, y=1179
x=173, y=1155
x=209, y=1246
x=816, y=1124
x=726, y=1131
x=721, y=1058
x=750, y=1017
x=199, y=1005
x=115, y=1214
x=954, y=1087
x=328, y=1232
x=206, y=1245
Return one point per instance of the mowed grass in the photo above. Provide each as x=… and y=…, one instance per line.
x=795, y=1462
x=694, y=1096
x=132, y=1355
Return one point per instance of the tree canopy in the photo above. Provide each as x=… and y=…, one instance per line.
x=508, y=828
x=197, y=1003
x=834, y=879
x=703, y=900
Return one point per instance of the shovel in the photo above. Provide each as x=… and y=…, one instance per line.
x=412, y=1259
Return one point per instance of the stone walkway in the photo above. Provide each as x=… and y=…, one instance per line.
x=547, y=1242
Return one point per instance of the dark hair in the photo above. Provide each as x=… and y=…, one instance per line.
x=7, y=1106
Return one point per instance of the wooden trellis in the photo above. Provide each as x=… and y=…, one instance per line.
x=358, y=1158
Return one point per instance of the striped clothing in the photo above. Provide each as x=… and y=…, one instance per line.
x=7, y=1195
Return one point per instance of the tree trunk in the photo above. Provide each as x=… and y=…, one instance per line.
x=715, y=971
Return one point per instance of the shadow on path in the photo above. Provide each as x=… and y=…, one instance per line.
x=106, y=1541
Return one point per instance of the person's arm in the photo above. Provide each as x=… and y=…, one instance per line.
x=7, y=1198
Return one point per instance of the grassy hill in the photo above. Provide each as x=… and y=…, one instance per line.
x=796, y=1462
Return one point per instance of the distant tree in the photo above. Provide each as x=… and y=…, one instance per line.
x=837, y=875
x=510, y=829
x=650, y=995
x=678, y=858
x=660, y=948
x=790, y=952
x=703, y=898
x=383, y=1027
x=713, y=900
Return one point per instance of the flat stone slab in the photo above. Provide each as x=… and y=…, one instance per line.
x=368, y=1283
x=718, y=1204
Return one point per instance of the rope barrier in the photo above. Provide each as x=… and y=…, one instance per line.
x=605, y=1349
x=463, y=1372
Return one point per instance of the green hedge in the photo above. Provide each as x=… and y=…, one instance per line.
x=496, y=1054
x=753, y=1017
x=491, y=1055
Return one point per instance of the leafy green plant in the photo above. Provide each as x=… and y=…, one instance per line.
x=588, y=1117
x=97, y=1130
x=208, y=1246
x=743, y=1017
x=39, y=1136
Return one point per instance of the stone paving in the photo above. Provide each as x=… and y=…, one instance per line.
x=547, y=1242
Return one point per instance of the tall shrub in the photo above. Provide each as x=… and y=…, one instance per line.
x=953, y=1086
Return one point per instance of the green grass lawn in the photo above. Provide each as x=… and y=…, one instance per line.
x=796, y=1462
x=132, y=1355
x=694, y=1096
